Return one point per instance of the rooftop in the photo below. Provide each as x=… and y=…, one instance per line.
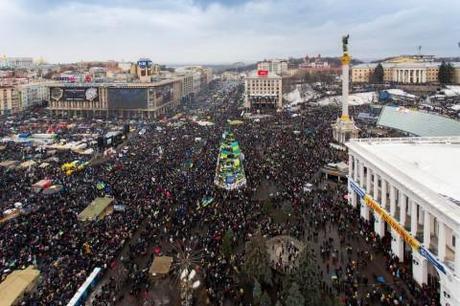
x=427, y=166
x=270, y=75
x=418, y=123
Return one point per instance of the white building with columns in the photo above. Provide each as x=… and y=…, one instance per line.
x=410, y=189
x=263, y=90
x=403, y=73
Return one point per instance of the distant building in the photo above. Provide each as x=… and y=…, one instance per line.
x=278, y=66
x=19, y=95
x=263, y=90
x=33, y=93
x=318, y=64
x=125, y=66
x=10, y=102
x=147, y=100
x=16, y=62
x=404, y=70
x=145, y=69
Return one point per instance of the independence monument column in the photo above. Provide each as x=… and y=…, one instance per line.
x=344, y=128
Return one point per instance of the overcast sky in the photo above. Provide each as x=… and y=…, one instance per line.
x=225, y=31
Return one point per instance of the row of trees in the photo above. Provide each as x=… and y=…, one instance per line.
x=300, y=288
x=445, y=74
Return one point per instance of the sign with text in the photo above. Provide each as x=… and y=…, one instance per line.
x=262, y=72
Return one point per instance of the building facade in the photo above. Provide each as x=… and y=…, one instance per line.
x=10, y=102
x=278, y=66
x=16, y=62
x=33, y=93
x=115, y=100
x=408, y=188
x=403, y=73
x=263, y=90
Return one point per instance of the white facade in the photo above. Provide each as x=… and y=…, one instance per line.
x=263, y=91
x=16, y=62
x=415, y=181
x=33, y=93
x=10, y=102
x=278, y=66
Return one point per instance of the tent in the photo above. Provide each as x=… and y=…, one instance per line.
x=53, y=189
x=161, y=265
x=9, y=163
x=27, y=164
x=17, y=284
x=41, y=185
x=96, y=209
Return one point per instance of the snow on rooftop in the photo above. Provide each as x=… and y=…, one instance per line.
x=452, y=90
x=421, y=166
x=400, y=92
x=353, y=99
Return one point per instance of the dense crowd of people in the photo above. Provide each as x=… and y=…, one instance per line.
x=161, y=177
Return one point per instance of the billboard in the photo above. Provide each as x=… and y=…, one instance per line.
x=71, y=94
x=262, y=72
x=127, y=98
x=162, y=94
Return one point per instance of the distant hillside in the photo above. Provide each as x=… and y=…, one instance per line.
x=334, y=61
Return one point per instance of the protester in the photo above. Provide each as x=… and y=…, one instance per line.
x=161, y=194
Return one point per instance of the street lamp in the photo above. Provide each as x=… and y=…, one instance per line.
x=188, y=284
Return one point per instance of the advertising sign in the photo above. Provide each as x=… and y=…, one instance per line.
x=262, y=72
x=69, y=94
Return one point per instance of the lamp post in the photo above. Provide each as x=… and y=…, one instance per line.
x=188, y=283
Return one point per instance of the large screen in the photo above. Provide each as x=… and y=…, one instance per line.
x=127, y=98
x=69, y=94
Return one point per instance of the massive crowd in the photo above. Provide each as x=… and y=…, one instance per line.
x=161, y=177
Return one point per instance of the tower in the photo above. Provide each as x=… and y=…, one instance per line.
x=344, y=128
x=144, y=69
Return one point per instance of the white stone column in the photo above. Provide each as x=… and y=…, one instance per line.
x=355, y=169
x=375, y=192
x=442, y=241
x=379, y=223
x=402, y=210
x=345, y=76
x=361, y=174
x=419, y=268
x=354, y=199
x=427, y=229
x=368, y=181
x=383, y=193
x=421, y=215
x=350, y=165
x=392, y=200
x=397, y=245
x=413, y=218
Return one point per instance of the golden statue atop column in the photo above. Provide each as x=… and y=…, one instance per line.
x=344, y=128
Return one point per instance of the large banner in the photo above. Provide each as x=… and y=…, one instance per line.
x=70, y=94
x=127, y=98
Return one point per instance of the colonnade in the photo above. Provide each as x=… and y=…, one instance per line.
x=417, y=217
x=409, y=75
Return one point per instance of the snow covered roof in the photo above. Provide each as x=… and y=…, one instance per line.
x=418, y=123
x=353, y=99
x=427, y=166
